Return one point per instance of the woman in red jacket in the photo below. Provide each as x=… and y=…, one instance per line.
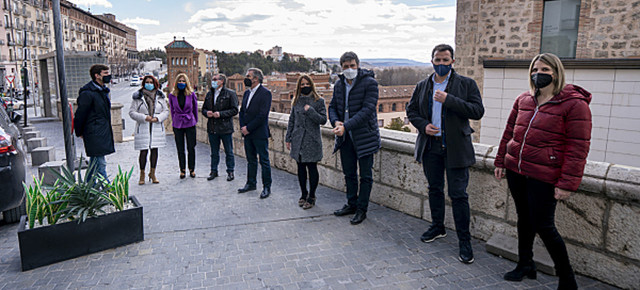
x=543, y=152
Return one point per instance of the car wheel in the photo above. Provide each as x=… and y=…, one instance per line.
x=13, y=215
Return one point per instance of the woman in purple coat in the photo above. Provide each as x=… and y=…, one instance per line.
x=184, y=113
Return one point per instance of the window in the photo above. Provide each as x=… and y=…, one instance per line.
x=380, y=123
x=380, y=108
x=393, y=107
x=560, y=27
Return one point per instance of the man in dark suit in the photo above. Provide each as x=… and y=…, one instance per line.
x=254, y=124
x=352, y=112
x=92, y=120
x=440, y=109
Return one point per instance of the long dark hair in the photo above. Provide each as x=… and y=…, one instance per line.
x=314, y=93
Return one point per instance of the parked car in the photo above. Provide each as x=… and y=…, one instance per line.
x=12, y=168
x=135, y=82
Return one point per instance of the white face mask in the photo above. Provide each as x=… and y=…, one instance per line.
x=350, y=73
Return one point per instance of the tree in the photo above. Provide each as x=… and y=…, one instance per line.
x=398, y=125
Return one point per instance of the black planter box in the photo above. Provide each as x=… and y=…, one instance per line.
x=47, y=245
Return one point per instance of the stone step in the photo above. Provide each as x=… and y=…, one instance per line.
x=36, y=142
x=45, y=171
x=43, y=155
x=29, y=135
x=507, y=247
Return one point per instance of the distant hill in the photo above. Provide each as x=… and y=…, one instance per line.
x=382, y=62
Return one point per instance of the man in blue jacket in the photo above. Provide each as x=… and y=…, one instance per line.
x=352, y=113
x=254, y=124
x=440, y=109
x=92, y=120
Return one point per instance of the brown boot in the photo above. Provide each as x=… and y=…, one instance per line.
x=141, y=182
x=152, y=176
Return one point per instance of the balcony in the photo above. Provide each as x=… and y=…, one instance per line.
x=11, y=43
x=31, y=42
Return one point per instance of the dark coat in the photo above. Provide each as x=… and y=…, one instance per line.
x=362, y=126
x=227, y=105
x=256, y=116
x=549, y=142
x=92, y=120
x=303, y=131
x=463, y=102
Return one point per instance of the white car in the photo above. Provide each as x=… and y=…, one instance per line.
x=135, y=82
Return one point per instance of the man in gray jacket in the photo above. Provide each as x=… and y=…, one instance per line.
x=220, y=105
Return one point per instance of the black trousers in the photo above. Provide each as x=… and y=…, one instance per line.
x=357, y=196
x=190, y=134
x=314, y=178
x=536, y=207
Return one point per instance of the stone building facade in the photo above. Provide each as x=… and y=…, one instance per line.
x=131, y=48
x=599, y=42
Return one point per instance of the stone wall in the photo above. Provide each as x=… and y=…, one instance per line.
x=598, y=223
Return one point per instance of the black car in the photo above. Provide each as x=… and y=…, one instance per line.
x=12, y=168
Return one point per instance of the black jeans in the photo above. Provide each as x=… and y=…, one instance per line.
x=254, y=148
x=356, y=199
x=314, y=178
x=536, y=207
x=227, y=143
x=434, y=162
x=190, y=134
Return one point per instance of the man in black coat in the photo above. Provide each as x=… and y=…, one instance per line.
x=254, y=123
x=352, y=113
x=92, y=120
x=220, y=105
x=440, y=109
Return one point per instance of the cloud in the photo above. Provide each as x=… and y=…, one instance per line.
x=140, y=21
x=371, y=28
x=188, y=7
x=88, y=3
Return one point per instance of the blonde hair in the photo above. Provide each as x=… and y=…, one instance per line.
x=187, y=91
x=554, y=62
x=314, y=93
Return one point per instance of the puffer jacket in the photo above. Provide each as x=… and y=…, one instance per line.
x=549, y=142
x=149, y=134
x=92, y=120
x=362, y=126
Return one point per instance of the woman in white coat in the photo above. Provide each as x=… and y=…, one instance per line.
x=149, y=109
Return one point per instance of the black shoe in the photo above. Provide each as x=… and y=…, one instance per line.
x=246, y=188
x=265, y=192
x=360, y=216
x=345, y=210
x=230, y=176
x=432, y=234
x=212, y=175
x=567, y=281
x=526, y=269
x=466, y=253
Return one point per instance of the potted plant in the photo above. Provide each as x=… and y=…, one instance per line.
x=77, y=216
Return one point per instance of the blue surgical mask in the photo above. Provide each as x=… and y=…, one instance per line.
x=182, y=86
x=149, y=87
x=442, y=69
x=214, y=84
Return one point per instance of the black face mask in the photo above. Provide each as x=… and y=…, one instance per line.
x=106, y=79
x=305, y=90
x=247, y=82
x=541, y=80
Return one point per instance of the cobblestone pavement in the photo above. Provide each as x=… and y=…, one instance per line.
x=203, y=234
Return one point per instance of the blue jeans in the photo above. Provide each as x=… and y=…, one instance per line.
x=434, y=162
x=227, y=143
x=254, y=148
x=356, y=199
x=101, y=165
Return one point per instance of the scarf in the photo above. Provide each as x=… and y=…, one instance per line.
x=150, y=98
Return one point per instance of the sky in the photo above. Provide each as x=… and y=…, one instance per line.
x=315, y=28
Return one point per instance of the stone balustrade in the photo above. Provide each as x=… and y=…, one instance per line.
x=599, y=223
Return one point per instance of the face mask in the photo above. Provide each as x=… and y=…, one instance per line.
x=247, y=82
x=305, y=90
x=441, y=69
x=350, y=73
x=106, y=79
x=541, y=80
x=214, y=84
x=149, y=87
x=182, y=86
